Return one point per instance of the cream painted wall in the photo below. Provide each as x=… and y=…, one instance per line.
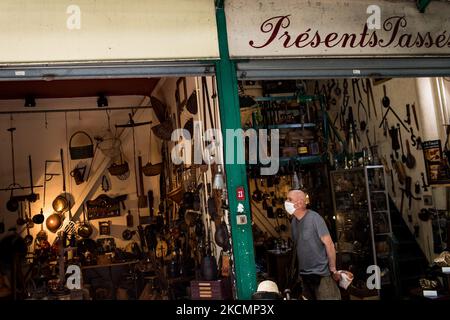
x=37, y=31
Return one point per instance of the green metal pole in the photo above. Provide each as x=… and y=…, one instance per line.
x=236, y=175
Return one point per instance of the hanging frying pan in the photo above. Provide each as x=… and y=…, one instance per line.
x=85, y=229
x=61, y=203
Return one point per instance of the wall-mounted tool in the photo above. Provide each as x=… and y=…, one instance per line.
x=393, y=132
x=387, y=105
x=424, y=184
x=417, y=187
x=408, y=115
x=369, y=96
x=410, y=160
x=401, y=143
x=415, y=116
x=362, y=123
x=413, y=138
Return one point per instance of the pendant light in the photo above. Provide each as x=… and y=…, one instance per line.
x=218, y=182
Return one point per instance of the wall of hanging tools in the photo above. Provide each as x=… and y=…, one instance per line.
x=384, y=122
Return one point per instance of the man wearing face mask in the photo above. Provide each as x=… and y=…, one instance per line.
x=316, y=254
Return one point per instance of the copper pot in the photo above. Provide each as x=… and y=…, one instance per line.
x=54, y=222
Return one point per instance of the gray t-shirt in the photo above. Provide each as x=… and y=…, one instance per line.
x=311, y=252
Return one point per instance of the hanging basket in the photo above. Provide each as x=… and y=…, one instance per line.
x=151, y=170
x=81, y=152
x=119, y=169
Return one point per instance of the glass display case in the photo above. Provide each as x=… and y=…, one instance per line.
x=363, y=226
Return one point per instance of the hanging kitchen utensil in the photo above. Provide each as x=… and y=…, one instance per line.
x=83, y=151
x=130, y=222
x=362, y=123
x=410, y=160
x=20, y=220
x=12, y=205
x=393, y=133
x=408, y=115
x=61, y=203
x=30, y=223
x=191, y=104
x=401, y=143
x=142, y=198
x=413, y=137
x=39, y=218
x=424, y=184
x=85, y=229
x=28, y=238
x=78, y=174
x=121, y=171
x=151, y=169
x=33, y=196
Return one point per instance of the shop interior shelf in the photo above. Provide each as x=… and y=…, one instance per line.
x=303, y=159
x=292, y=126
x=305, y=98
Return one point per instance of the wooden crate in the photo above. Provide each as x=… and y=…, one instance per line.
x=211, y=290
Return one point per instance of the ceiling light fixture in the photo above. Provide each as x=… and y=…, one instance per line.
x=30, y=101
x=102, y=101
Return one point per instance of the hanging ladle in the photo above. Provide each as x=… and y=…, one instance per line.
x=29, y=238
x=20, y=220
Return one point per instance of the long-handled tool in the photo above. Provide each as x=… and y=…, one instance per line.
x=415, y=116
x=12, y=205
x=131, y=124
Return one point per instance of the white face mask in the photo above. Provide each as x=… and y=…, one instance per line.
x=289, y=207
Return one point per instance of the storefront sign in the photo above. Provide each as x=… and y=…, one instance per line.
x=107, y=30
x=336, y=28
x=438, y=171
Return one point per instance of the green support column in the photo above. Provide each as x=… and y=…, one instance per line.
x=236, y=175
